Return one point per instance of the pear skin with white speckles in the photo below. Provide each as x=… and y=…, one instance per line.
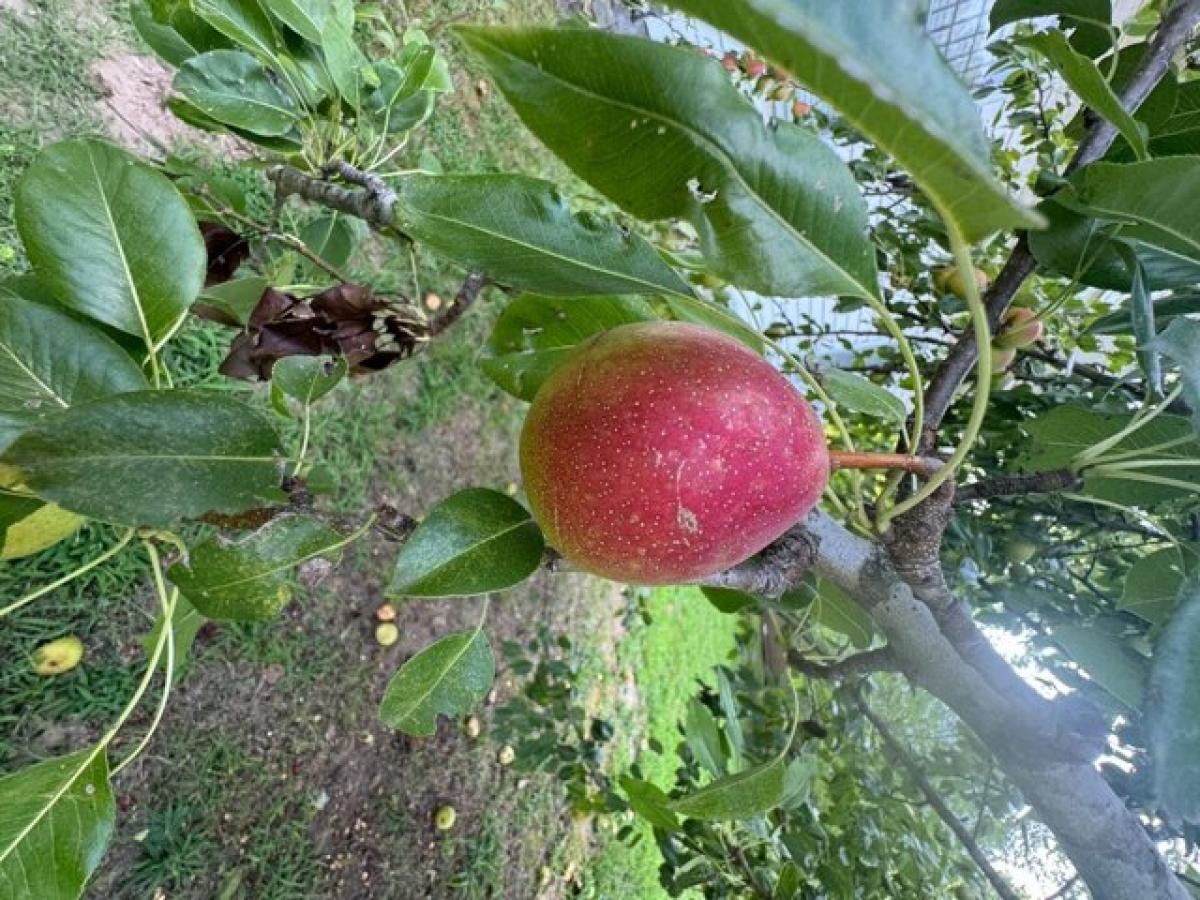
x=664, y=452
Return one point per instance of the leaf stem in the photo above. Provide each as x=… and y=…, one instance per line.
x=983, y=384
x=306, y=434
x=70, y=576
x=1144, y=417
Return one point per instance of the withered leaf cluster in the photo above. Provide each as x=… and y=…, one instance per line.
x=371, y=331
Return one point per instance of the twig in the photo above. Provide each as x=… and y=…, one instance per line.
x=918, y=465
x=865, y=663
x=371, y=204
x=1067, y=885
x=1010, y=485
x=268, y=234
x=939, y=805
x=471, y=288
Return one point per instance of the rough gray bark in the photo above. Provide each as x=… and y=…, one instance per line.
x=1105, y=841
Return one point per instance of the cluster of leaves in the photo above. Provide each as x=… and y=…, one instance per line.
x=290, y=75
x=726, y=830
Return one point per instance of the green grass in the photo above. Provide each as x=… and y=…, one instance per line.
x=45, y=93
x=685, y=639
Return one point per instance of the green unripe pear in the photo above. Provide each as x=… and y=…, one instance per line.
x=950, y=280
x=1020, y=550
x=1020, y=328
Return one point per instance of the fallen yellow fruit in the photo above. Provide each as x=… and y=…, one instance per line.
x=444, y=818
x=58, y=656
x=386, y=634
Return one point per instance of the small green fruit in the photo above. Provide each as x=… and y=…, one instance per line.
x=58, y=656
x=506, y=756
x=386, y=634
x=1002, y=359
x=1021, y=571
x=1021, y=327
x=444, y=818
x=949, y=280
x=1020, y=550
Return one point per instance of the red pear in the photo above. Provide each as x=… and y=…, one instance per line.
x=663, y=452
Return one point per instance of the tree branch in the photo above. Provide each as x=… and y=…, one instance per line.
x=1174, y=31
x=1009, y=485
x=373, y=203
x=471, y=288
x=1036, y=742
x=865, y=663
x=939, y=805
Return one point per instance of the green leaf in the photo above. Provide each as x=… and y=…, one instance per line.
x=111, y=238
x=165, y=41
x=152, y=457
x=1173, y=726
x=305, y=17
x=56, y=820
x=733, y=725
x=398, y=83
x=449, y=677
x=308, y=378
x=747, y=794
x=875, y=62
x=233, y=88
x=863, y=396
x=1152, y=201
x=473, y=542
x=1086, y=80
x=49, y=361
x=728, y=600
x=703, y=737
x=1106, y=660
x=248, y=580
x=1180, y=342
x=242, y=21
x=186, y=623
x=1166, y=309
x=535, y=335
x=331, y=237
x=525, y=236
x=711, y=315
x=833, y=608
x=345, y=61
x=186, y=112
x=1079, y=246
x=663, y=133
x=13, y=509
x=1005, y=12
x=235, y=299
x=650, y=803
x=1060, y=435
x=1152, y=584
x=1141, y=309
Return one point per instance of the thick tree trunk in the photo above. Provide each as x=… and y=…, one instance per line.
x=1034, y=740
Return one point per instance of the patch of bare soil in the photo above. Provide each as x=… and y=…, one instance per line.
x=315, y=753
x=134, y=89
